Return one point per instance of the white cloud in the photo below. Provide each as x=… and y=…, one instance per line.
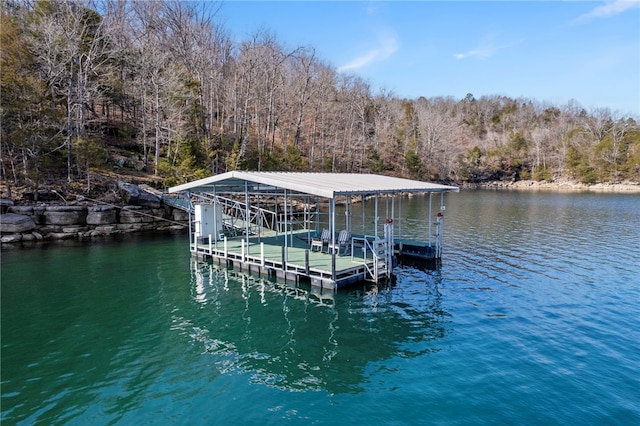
x=485, y=49
x=610, y=8
x=388, y=46
x=481, y=52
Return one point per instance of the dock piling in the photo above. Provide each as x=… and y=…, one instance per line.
x=306, y=262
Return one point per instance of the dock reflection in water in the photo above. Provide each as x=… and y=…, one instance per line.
x=298, y=338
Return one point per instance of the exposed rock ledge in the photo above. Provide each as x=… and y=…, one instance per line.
x=27, y=223
x=561, y=186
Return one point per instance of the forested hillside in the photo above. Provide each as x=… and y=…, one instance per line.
x=160, y=88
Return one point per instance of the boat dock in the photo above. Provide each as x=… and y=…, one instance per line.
x=298, y=226
x=267, y=257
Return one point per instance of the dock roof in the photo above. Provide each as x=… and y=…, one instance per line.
x=328, y=185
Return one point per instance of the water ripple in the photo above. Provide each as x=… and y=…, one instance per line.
x=531, y=317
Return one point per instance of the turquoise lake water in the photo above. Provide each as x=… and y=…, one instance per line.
x=532, y=317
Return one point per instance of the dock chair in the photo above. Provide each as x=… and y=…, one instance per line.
x=319, y=243
x=344, y=239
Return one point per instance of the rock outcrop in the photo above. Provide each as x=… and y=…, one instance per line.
x=135, y=196
x=64, y=215
x=13, y=223
x=55, y=222
x=101, y=215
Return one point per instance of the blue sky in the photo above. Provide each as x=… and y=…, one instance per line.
x=550, y=51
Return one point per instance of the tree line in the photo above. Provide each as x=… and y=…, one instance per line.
x=85, y=83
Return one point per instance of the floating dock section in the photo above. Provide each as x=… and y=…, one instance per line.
x=298, y=226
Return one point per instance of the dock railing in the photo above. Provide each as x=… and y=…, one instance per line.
x=236, y=219
x=375, y=252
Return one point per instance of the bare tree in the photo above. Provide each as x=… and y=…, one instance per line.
x=435, y=128
x=69, y=41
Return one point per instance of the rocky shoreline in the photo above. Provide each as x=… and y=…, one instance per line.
x=144, y=211
x=82, y=220
x=559, y=186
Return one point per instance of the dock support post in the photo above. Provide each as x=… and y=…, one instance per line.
x=242, y=250
x=210, y=248
x=430, y=218
x=306, y=262
x=284, y=260
x=438, y=236
x=375, y=217
x=262, y=254
x=347, y=215
x=226, y=255
x=333, y=238
x=247, y=219
x=333, y=265
x=191, y=224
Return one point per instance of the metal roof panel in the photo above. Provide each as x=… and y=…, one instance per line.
x=326, y=185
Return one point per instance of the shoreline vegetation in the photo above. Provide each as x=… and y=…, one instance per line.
x=157, y=92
